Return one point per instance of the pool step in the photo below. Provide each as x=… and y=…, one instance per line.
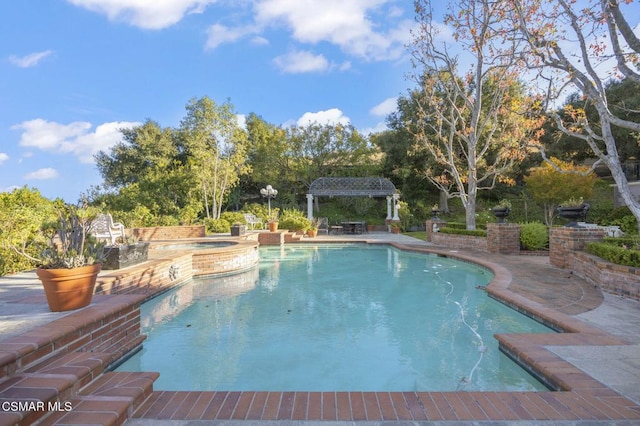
x=109, y=400
x=32, y=394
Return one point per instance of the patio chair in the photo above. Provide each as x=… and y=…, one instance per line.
x=323, y=226
x=103, y=227
x=252, y=220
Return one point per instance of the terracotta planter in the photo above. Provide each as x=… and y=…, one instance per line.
x=68, y=289
x=273, y=226
x=312, y=233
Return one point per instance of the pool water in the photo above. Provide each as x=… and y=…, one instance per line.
x=334, y=318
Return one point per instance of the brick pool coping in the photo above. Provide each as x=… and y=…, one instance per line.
x=578, y=396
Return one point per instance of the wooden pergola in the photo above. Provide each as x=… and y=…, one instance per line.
x=373, y=187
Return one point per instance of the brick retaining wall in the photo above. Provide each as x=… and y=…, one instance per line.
x=169, y=232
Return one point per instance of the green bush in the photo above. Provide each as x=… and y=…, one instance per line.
x=615, y=254
x=217, y=226
x=233, y=217
x=474, y=233
x=293, y=220
x=534, y=236
x=457, y=225
x=626, y=242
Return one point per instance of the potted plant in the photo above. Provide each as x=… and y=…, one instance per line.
x=395, y=228
x=71, y=260
x=238, y=229
x=272, y=221
x=573, y=209
x=502, y=210
x=313, y=228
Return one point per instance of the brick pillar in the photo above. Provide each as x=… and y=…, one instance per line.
x=439, y=223
x=565, y=240
x=503, y=238
x=271, y=238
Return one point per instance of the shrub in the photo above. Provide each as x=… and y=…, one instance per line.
x=233, y=217
x=626, y=242
x=457, y=225
x=534, y=236
x=293, y=220
x=474, y=233
x=217, y=226
x=615, y=254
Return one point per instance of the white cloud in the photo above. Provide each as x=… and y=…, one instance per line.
x=75, y=138
x=30, y=60
x=380, y=127
x=218, y=34
x=147, y=14
x=385, y=107
x=42, y=174
x=347, y=24
x=296, y=62
x=3, y=157
x=330, y=116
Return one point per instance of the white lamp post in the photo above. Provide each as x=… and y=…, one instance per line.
x=269, y=192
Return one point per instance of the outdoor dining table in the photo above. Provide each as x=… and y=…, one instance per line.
x=353, y=227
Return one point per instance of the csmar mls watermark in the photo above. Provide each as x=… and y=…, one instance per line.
x=23, y=406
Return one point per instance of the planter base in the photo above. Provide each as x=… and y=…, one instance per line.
x=124, y=256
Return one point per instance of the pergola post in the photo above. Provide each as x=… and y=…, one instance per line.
x=310, y=206
x=388, y=208
x=396, y=197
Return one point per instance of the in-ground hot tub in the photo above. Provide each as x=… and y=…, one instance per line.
x=211, y=256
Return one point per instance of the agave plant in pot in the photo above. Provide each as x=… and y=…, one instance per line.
x=70, y=261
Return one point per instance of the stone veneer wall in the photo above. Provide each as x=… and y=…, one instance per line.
x=169, y=232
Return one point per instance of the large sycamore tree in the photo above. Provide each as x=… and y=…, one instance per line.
x=476, y=123
x=215, y=147
x=583, y=46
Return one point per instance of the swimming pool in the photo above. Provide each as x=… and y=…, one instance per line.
x=334, y=317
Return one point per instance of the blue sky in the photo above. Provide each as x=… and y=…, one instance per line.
x=74, y=71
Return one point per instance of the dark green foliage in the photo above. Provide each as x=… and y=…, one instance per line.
x=534, y=236
x=457, y=225
x=627, y=242
x=474, y=233
x=615, y=254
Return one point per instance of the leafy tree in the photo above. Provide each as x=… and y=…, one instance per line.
x=404, y=162
x=269, y=154
x=147, y=169
x=583, y=45
x=215, y=147
x=551, y=185
x=22, y=213
x=624, y=97
x=477, y=125
x=329, y=150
